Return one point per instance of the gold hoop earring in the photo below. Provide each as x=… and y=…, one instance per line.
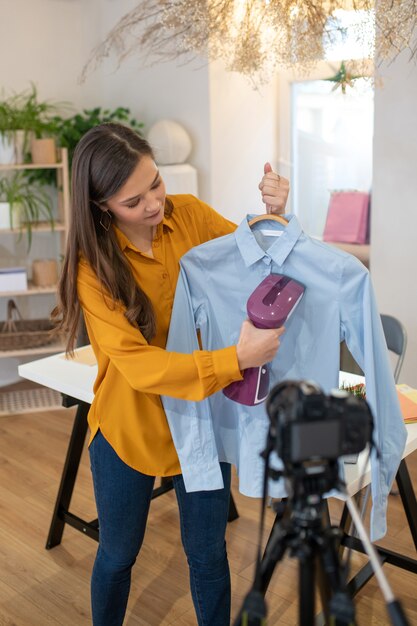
x=105, y=220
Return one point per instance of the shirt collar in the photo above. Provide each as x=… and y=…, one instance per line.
x=252, y=252
x=124, y=242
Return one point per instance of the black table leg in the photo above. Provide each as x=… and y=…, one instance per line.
x=69, y=474
x=233, y=514
x=408, y=498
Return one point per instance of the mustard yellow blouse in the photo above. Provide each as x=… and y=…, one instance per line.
x=132, y=372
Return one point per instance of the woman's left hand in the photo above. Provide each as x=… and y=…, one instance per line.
x=275, y=190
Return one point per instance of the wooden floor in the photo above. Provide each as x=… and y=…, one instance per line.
x=42, y=588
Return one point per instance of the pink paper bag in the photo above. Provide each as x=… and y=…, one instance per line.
x=348, y=217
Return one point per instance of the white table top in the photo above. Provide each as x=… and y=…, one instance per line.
x=75, y=377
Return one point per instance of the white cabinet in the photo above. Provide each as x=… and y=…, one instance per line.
x=181, y=178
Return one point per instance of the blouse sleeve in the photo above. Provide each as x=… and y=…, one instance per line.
x=146, y=367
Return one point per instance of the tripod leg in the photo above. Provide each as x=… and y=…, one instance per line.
x=274, y=550
x=274, y=530
x=270, y=559
x=307, y=588
x=253, y=610
x=337, y=603
x=325, y=591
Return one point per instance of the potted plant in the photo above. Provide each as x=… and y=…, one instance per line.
x=69, y=131
x=11, y=138
x=23, y=205
x=24, y=117
x=36, y=118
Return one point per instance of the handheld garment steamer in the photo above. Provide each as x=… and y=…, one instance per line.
x=269, y=306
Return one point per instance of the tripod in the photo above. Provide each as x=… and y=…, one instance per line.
x=309, y=432
x=304, y=532
x=302, y=527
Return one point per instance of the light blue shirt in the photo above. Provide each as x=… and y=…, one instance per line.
x=215, y=282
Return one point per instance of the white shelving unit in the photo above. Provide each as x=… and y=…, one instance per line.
x=9, y=401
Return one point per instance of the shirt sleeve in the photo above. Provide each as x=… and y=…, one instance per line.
x=146, y=367
x=191, y=423
x=362, y=330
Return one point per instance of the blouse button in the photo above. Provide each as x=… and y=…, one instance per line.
x=164, y=275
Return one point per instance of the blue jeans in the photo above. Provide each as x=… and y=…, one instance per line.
x=123, y=496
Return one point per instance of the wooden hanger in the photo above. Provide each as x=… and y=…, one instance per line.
x=268, y=216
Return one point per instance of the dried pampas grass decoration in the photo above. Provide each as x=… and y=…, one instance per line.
x=253, y=37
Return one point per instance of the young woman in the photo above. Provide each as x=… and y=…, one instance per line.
x=121, y=266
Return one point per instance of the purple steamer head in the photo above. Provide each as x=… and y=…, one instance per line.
x=269, y=306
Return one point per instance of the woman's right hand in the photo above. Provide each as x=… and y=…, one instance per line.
x=257, y=346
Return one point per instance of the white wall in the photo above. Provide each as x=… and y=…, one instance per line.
x=394, y=202
x=45, y=42
x=244, y=131
x=169, y=90
x=165, y=91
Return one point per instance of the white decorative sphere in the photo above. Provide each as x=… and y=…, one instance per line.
x=170, y=142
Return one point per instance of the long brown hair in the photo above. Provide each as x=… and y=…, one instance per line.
x=103, y=160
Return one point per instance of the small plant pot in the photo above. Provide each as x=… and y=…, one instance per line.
x=44, y=272
x=43, y=151
x=9, y=218
x=7, y=149
x=4, y=216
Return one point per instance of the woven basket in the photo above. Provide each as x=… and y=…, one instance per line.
x=16, y=333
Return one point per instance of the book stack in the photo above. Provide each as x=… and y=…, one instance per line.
x=408, y=401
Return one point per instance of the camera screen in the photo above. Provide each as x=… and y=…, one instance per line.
x=314, y=439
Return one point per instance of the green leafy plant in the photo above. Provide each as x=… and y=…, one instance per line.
x=24, y=111
x=69, y=131
x=6, y=118
x=29, y=203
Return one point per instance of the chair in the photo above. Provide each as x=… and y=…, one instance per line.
x=396, y=338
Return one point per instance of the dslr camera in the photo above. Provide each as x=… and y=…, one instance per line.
x=309, y=427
